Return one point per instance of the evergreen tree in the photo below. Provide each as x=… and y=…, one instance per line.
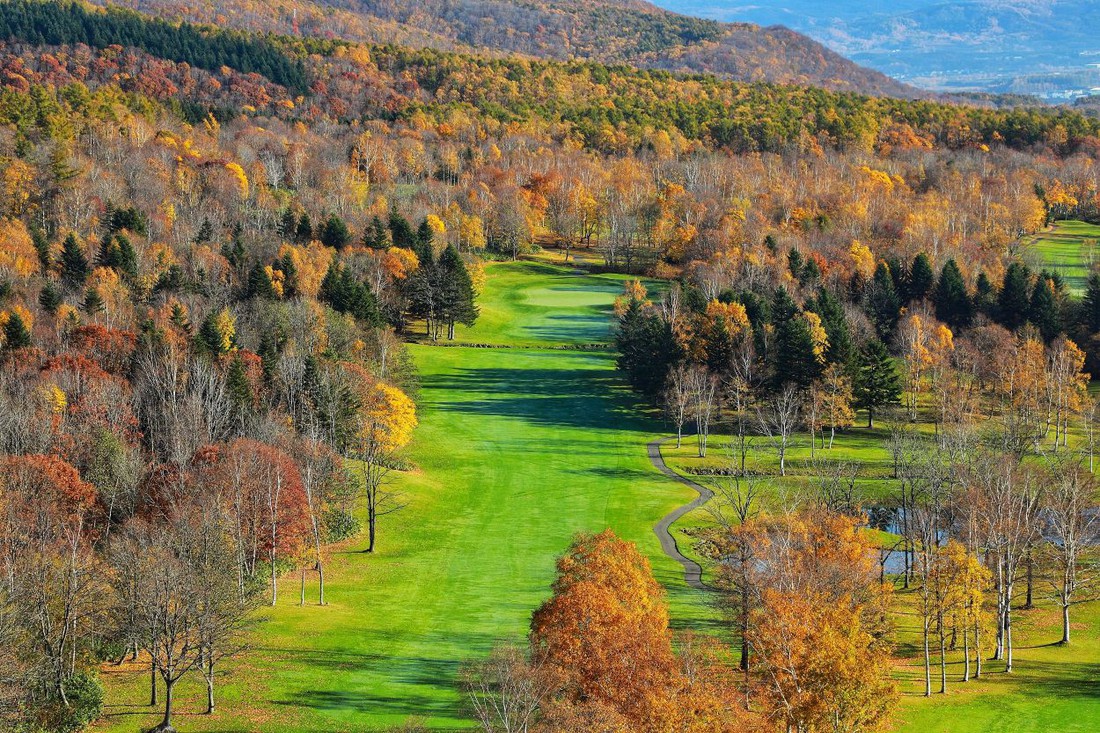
x=233, y=251
x=401, y=233
x=16, y=335
x=921, y=278
x=1043, y=309
x=953, y=305
x=42, y=249
x=647, y=349
x=795, y=263
x=205, y=233
x=882, y=303
x=93, y=302
x=334, y=232
x=286, y=266
x=985, y=296
x=238, y=386
x=794, y=361
x=303, y=232
x=877, y=383
x=288, y=224
x=457, y=298
x=344, y=294
x=1014, y=301
x=1091, y=303
x=376, y=236
x=259, y=284
x=74, y=264
x=811, y=273
x=50, y=298
x=835, y=322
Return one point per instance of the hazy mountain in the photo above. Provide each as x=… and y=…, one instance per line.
x=1046, y=47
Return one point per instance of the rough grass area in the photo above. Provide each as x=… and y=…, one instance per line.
x=1069, y=247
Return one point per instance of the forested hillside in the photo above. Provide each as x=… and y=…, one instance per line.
x=216, y=245
x=610, y=31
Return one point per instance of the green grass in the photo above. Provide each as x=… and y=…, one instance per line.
x=1070, y=248
x=518, y=449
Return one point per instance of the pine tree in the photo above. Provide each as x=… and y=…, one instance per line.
x=1043, y=309
x=835, y=321
x=1092, y=303
x=303, y=232
x=401, y=234
x=921, y=278
x=205, y=233
x=50, y=298
x=334, y=232
x=647, y=349
x=953, y=305
x=985, y=296
x=288, y=224
x=16, y=335
x=794, y=361
x=42, y=248
x=457, y=299
x=1014, y=301
x=877, y=383
x=238, y=385
x=74, y=264
x=882, y=302
x=93, y=302
x=259, y=284
x=376, y=236
x=794, y=263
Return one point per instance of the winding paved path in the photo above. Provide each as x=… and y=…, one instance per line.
x=693, y=573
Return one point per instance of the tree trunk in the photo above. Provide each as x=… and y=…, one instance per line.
x=943, y=657
x=1065, y=623
x=302, y=596
x=977, y=650
x=321, y=576
x=166, y=724
x=152, y=684
x=210, y=688
x=966, y=654
x=927, y=662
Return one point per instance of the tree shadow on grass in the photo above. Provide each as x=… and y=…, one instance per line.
x=578, y=398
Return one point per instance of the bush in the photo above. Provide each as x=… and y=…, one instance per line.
x=339, y=525
x=85, y=695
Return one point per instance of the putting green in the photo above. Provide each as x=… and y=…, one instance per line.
x=518, y=449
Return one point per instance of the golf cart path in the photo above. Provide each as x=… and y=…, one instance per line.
x=693, y=573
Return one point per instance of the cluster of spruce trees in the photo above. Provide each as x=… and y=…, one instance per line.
x=67, y=23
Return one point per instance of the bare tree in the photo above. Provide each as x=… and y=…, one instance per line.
x=704, y=402
x=778, y=420
x=677, y=399
x=506, y=691
x=1071, y=519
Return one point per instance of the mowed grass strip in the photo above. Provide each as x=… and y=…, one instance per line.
x=518, y=450
x=1068, y=247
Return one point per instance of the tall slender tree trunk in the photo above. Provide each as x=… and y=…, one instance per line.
x=966, y=654
x=927, y=661
x=1065, y=622
x=166, y=724
x=210, y=685
x=321, y=579
x=152, y=684
x=943, y=655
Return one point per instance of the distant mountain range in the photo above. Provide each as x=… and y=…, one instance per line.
x=1048, y=48
x=609, y=31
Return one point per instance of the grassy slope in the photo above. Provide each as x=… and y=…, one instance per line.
x=1052, y=687
x=1070, y=248
x=518, y=449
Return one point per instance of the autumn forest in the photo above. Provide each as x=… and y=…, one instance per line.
x=372, y=368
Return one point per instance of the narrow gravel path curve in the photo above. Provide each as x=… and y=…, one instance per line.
x=693, y=573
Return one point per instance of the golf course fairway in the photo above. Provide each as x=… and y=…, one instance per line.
x=518, y=449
